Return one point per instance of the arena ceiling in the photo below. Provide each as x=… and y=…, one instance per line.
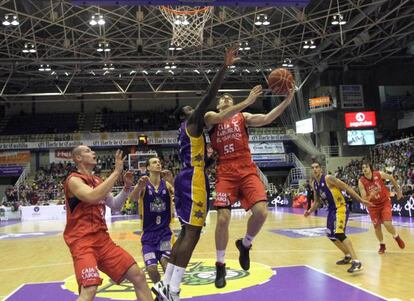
x=139, y=39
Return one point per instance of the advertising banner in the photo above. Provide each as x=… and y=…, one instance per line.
x=360, y=119
x=11, y=171
x=15, y=158
x=404, y=207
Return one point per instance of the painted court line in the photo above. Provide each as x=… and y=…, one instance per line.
x=348, y=283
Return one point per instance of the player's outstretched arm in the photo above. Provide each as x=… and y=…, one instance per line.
x=362, y=190
x=118, y=201
x=211, y=118
x=84, y=192
x=195, y=123
x=332, y=181
x=257, y=120
x=139, y=189
x=390, y=178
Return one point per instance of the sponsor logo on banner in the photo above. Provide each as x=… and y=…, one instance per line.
x=16, y=158
x=405, y=207
x=280, y=201
x=360, y=119
x=267, y=148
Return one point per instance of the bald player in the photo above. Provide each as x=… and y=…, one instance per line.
x=86, y=233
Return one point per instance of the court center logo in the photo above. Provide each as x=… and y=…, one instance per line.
x=198, y=280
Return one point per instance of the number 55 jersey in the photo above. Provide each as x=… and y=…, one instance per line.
x=236, y=173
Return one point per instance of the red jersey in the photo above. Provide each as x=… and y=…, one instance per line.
x=83, y=218
x=375, y=188
x=231, y=141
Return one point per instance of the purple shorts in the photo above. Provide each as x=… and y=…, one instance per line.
x=156, y=245
x=191, y=193
x=336, y=222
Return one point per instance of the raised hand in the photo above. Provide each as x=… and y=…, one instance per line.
x=142, y=182
x=119, y=161
x=167, y=176
x=231, y=55
x=254, y=94
x=128, y=179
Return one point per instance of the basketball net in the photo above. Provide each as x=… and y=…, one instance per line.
x=187, y=23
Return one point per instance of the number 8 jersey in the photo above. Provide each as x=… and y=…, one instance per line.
x=155, y=208
x=230, y=139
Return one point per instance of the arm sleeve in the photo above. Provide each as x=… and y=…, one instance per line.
x=118, y=201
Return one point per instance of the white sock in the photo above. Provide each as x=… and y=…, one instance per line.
x=395, y=236
x=176, y=278
x=220, y=255
x=247, y=240
x=168, y=273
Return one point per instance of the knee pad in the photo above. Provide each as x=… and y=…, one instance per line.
x=340, y=236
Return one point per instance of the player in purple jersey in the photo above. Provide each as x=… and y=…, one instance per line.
x=328, y=189
x=155, y=196
x=191, y=184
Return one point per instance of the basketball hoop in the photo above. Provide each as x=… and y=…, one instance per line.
x=187, y=23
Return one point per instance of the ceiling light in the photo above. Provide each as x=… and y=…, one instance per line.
x=338, y=19
x=96, y=19
x=53, y=73
x=10, y=19
x=103, y=46
x=262, y=19
x=145, y=72
x=41, y=68
x=306, y=45
x=244, y=46
x=15, y=22
x=158, y=71
x=246, y=70
x=170, y=71
x=173, y=47
x=92, y=72
x=47, y=68
x=29, y=48
x=106, y=72
x=66, y=73
x=132, y=72
x=196, y=71
x=287, y=63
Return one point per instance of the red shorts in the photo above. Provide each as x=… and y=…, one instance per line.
x=381, y=213
x=238, y=181
x=99, y=252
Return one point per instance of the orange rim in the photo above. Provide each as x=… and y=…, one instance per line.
x=185, y=12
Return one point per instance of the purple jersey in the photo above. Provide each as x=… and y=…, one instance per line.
x=156, y=209
x=191, y=150
x=332, y=196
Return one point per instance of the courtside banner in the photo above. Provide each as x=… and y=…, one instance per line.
x=404, y=207
x=267, y=148
x=15, y=158
x=360, y=119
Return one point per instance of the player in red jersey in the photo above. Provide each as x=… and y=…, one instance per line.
x=236, y=174
x=86, y=233
x=371, y=187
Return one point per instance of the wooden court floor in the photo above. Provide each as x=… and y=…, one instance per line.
x=34, y=252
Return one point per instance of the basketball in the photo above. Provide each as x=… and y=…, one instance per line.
x=280, y=81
